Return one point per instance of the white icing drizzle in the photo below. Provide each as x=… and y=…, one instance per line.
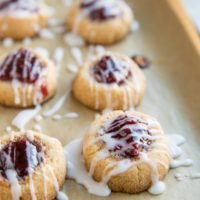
x=175, y=141
x=181, y=177
x=8, y=42
x=32, y=187
x=72, y=68
x=23, y=117
x=42, y=51
x=73, y=39
x=54, y=22
x=95, y=50
x=61, y=196
x=135, y=26
x=57, y=117
x=46, y=34
x=70, y=115
x=77, y=171
x=181, y=163
x=27, y=41
x=37, y=128
x=38, y=118
x=67, y=2
x=59, y=29
x=157, y=188
x=8, y=129
x=15, y=187
x=77, y=55
x=57, y=106
x=195, y=175
x=58, y=55
x=16, y=85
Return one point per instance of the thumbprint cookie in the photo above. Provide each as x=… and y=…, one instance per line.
x=100, y=21
x=128, y=151
x=26, y=78
x=109, y=81
x=20, y=18
x=32, y=166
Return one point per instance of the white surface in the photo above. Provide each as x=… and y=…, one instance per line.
x=193, y=8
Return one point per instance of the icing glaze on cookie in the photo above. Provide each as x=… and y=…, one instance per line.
x=22, y=156
x=127, y=136
x=101, y=10
x=110, y=69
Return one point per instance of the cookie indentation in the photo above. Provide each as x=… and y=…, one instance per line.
x=111, y=70
x=22, y=65
x=100, y=10
x=23, y=156
x=127, y=136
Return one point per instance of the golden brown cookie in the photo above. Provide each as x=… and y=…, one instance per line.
x=100, y=21
x=26, y=78
x=127, y=150
x=32, y=166
x=20, y=19
x=111, y=81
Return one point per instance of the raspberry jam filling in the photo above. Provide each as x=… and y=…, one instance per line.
x=128, y=137
x=22, y=156
x=110, y=69
x=101, y=10
x=22, y=65
x=28, y=5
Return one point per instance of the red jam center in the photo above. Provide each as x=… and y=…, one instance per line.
x=111, y=70
x=130, y=136
x=99, y=13
x=22, y=65
x=141, y=61
x=22, y=156
x=20, y=5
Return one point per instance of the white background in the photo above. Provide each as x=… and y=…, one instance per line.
x=193, y=8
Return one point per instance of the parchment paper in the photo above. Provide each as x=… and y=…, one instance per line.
x=172, y=95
